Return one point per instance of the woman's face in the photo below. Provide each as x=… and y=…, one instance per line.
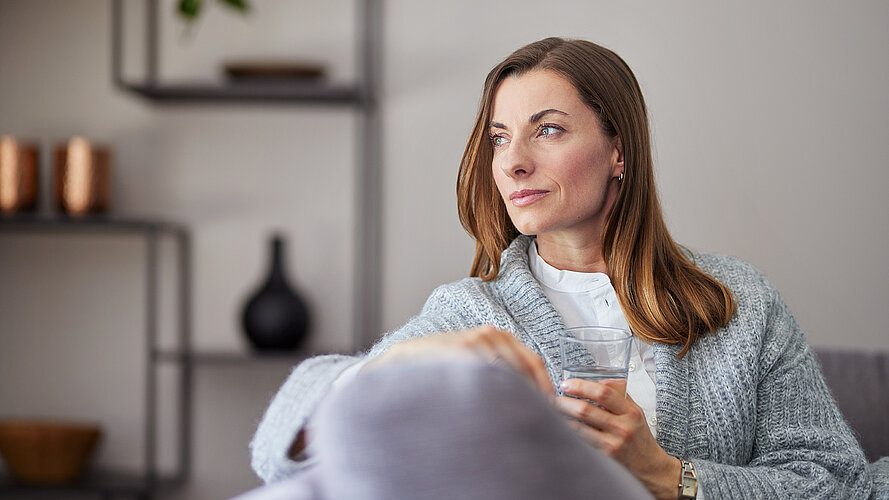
x=554, y=167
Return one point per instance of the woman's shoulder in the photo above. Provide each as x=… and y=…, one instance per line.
x=755, y=297
x=459, y=287
x=732, y=271
x=461, y=293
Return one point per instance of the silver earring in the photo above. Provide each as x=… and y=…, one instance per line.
x=621, y=178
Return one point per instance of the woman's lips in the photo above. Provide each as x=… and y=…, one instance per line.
x=526, y=197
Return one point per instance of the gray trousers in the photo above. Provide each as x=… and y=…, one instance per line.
x=455, y=429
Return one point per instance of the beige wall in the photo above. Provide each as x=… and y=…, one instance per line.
x=769, y=119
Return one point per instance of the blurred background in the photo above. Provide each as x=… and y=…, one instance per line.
x=770, y=122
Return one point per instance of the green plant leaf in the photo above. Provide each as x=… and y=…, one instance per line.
x=190, y=9
x=240, y=5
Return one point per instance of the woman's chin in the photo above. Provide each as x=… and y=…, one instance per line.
x=527, y=229
x=533, y=226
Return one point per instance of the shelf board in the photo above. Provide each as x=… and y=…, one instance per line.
x=106, y=483
x=234, y=356
x=109, y=223
x=295, y=92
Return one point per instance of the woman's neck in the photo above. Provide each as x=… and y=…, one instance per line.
x=578, y=254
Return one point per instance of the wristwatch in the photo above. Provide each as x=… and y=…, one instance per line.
x=688, y=482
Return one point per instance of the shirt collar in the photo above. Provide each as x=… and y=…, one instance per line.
x=563, y=281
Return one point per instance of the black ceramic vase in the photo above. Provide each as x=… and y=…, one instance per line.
x=275, y=318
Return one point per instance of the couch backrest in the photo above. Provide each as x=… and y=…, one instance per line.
x=860, y=383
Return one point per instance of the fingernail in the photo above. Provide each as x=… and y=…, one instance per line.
x=564, y=385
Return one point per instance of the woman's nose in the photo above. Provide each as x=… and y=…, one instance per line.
x=517, y=160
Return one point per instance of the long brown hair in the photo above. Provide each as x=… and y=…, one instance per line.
x=664, y=295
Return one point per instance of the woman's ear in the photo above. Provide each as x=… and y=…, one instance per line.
x=619, y=148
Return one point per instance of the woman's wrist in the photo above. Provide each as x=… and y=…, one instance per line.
x=663, y=480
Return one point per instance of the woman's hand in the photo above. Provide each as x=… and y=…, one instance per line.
x=616, y=426
x=484, y=342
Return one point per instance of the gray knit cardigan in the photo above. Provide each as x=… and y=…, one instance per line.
x=747, y=405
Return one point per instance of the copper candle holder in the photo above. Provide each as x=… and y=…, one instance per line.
x=82, y=177
x=18, y=175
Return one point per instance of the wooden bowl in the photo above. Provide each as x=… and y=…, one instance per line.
x=47, y=451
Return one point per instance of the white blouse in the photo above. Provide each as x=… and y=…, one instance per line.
x=584, y=299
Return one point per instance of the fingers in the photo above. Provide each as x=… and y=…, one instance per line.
x=602, y=441
x=538, y=370
x=599, y=404
x=528, y=361
x=609, y=394
x=607, y=429
x=525, y=360
x=490, y=344
x=589, y=434
x=585, y=412
x=498, y=345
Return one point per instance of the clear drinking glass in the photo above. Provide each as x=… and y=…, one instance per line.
x=596, y=353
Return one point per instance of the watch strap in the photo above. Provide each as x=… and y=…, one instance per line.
x=688, y=482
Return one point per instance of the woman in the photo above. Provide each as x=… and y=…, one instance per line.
x=556, y=185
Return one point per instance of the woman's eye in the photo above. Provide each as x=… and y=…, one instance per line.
x=546, y=130
x=498, y=140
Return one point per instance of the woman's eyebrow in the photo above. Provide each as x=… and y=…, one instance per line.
x=540, y=114
x=534, y=118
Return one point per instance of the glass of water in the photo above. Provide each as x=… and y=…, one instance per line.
x=596, y=353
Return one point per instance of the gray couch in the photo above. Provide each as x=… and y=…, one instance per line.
x=369, y=454
x=860, y=383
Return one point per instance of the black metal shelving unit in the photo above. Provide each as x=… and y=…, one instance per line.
x=359, y=95
x=107, y=485
x=291, y=93
x=231, y=357
x=110, y=484
x=148, y=483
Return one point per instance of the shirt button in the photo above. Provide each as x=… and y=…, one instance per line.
x=632, y=366
x=652, y=421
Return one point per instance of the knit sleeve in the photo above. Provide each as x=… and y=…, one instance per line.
x=880, y=472
x=803, y=447
x=289, y=411
x=295, y=402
